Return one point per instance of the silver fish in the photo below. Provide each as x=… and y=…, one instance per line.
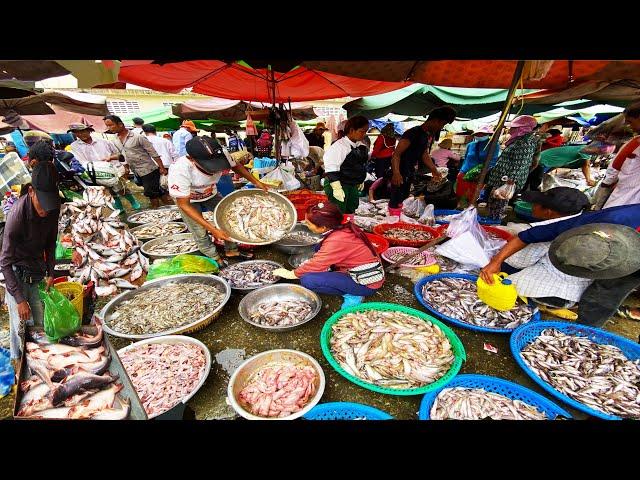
x=173, y=246
x=407, y=235
x=281, y=313
x=250, y=275
x=156, y=216
x=258, y=218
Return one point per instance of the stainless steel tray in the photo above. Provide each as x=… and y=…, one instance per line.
x=135, y=230
x=293, y=247
x=160, y=240
x=214, y=280
x=132, y=218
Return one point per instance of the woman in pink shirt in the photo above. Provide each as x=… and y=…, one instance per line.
x=443, y=153
x=344, y=248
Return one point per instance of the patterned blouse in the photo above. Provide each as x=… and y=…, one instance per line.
x=515, y=162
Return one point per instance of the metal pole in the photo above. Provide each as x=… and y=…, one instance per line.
x=517, y=74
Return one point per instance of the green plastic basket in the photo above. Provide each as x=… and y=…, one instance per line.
x=456, y=346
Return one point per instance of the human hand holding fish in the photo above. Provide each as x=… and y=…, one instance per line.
x=284, y=273
x=217, y=233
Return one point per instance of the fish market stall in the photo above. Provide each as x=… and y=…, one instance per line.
x=251, y=274
x=169, y=213
x=170, y=246
x=150, y=231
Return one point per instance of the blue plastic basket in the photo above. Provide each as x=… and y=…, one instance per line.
x=481, y=220
x=527, y=333
x=345, y=411
x=417, y=290
x=496, y=385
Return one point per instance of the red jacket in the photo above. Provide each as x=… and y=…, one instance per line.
x=553, y=142
x=342, y=249
x=380, y=150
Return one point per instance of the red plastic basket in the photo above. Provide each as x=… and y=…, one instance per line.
x=380, y=243
x=383, y=227
x=498, y=232
x=302, y=199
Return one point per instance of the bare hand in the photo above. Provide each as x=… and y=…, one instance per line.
x=436, y=176
x=262, y=186
x=24, y=311
x=397, y=180
x=49, y=281
x=591, y=183
x=163, y=171
x=488, y=271
x=219, y=234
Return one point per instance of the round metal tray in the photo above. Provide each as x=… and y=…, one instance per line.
x=177, y=339
x=214, y=280
x=222, y=207
x=285, y=291
x=242, y=374
x=292, y=247
x=159, y=240
x=299, y=258
x=132, y=218
x=140, y=227
x=248, y=262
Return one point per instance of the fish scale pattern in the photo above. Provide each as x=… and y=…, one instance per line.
x=496, y=385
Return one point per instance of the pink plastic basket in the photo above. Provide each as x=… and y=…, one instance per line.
x=428, y=257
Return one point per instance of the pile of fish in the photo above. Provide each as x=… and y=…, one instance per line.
x=391, y=349
x=108, y=251
x=367, y=223
x=208, y=216
x=162, y=215
x=70, y=379
x=376, y=209
x=446, y=264
x=172, y=246
x=417, y=260
x=304, y=238
x=460, y=403
x=165, y=307
x=258, y=218
x=407, y=235
x=164, y=374
x=250, y=274
x=597, y=375
x=458, y=298
x=155, y=230
x=281, y=313
x=279, y=390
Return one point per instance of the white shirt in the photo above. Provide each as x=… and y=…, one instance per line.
x=138, y=130
x=180, y=139
x=96, y=151
x=185, y=180
x=334, y=155
x=164, y=148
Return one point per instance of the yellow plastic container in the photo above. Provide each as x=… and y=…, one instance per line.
x=74, y=292
x=502, y=295
x=431, y=269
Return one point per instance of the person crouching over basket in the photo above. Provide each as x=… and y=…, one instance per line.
x=192, y=183
x=357, y=270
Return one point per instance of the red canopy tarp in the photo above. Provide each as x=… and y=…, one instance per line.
x=216, y=78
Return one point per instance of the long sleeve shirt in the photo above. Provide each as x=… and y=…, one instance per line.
x=96, y=151
x=139, y=153
x=343, y=250
x=29, y=241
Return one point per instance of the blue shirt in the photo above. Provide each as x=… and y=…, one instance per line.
x=180, y=139
x=477, y=154
x=628, y=215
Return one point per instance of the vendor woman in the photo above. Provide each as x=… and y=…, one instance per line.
x=344, y=249
x=192, y=183
x=345, y=165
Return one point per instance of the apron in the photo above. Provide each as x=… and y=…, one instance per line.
x=353, y=170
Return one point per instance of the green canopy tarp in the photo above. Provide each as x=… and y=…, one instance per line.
x=164, y=120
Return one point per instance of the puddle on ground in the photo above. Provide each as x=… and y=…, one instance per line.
x=230, y=359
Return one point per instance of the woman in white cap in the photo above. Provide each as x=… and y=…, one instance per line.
x=515, y=162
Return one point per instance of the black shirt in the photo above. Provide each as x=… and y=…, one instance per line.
x=420, y=141
x=315, y=140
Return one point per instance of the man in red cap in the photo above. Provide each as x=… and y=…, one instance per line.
x=185, y=133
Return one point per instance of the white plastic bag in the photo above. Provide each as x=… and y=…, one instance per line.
x=464, y=249
x=428, y=216
x=298, y=143
x=467, y=221
x=283, y=178
x=506, y=190
x=414, y=206
x=105, y=173
x=164, y=181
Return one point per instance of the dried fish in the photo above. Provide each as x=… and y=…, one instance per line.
x=155, y=230
x=173, y=246
x=250, y=274
x=156, y=216
x=460, y=403
x=164, y=374
x=458, y=298
x=597, y=375
x=165, y=307
x=391, y=349
x=258, y=218
x=281, y=313
x=407, y=235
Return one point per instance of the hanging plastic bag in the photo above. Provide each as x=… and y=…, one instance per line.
x=184, y=263
x=250, y=129
x=164, y=182
x=101, y=173
x=506, y=190
x=60, y=317
x=282, y=177
x=298, y=143
x=428, y=217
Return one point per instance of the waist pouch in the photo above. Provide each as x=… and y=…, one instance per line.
x=368, y=273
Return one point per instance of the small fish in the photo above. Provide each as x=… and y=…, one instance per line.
x=250, y=275
x=281, y=313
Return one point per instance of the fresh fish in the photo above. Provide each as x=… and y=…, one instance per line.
x=407, y=235
x=303, y=238
x=136, y=272
x=173, y=246
x=105, y=291
x=258, y=218
x=121, y=283
x=391, y=349
x=114, y=413
x=156, y=230
x=281, y=313
x=97, y=402
x=458, y=298
x=156, y=216
x=250, y=274
x=169, y=306
x=78, y=382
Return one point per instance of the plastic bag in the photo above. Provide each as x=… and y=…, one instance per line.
x=101, y=173
x=506, y=190
x=164, y=182
x=467, y=221
x=473, y=174
x=282, y=177
x=428, y=217
x=60, y=317
x=413, y=207
x=184, y=263
x=464, y=249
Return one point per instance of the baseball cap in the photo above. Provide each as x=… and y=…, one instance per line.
x=74, y=127
x=44, y=179
x=189, y=125
x=208, y=154
x=561, y=199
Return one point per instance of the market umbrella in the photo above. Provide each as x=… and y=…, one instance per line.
x=163, y=119
x=61, y=119
x=231, y=110
x=537, y=74
x=239, y=81
x=619, y=92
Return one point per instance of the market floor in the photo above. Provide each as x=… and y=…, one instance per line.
x=230, y=339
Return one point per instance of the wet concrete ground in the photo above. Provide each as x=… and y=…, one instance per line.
x=229, y=335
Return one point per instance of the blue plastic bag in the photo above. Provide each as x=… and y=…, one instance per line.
x=7, y=374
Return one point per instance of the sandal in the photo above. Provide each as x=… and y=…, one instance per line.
x=626, y=312
x=241, y=254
